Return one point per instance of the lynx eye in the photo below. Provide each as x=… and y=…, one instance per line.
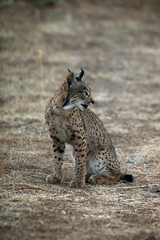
x=86, y=93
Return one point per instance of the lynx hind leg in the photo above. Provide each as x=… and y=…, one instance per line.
x=103, y=166
x=96, y=179
x=58, y=151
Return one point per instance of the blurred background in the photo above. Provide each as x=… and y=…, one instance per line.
x=117, y=43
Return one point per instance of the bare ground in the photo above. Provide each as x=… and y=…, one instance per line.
x=119, y=48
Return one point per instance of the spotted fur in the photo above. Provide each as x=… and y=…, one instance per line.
x=70, y=121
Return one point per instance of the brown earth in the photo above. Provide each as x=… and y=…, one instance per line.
x=119, y=48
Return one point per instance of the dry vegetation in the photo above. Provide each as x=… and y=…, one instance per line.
x=119, y=48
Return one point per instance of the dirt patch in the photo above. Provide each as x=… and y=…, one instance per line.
x=119, y=48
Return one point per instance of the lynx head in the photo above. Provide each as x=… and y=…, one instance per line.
x=78, y=93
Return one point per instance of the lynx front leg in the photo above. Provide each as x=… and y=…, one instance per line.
x=80, y=162
x=58, y=151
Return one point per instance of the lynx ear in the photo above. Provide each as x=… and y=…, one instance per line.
x=70, y=77
x=80, y=75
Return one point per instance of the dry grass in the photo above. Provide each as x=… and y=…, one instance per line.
x=119, y=49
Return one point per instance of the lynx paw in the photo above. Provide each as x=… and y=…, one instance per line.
x=95, y=180
x=74, y=184
x=52, y=179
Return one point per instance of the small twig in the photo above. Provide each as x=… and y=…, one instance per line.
x=140, y=186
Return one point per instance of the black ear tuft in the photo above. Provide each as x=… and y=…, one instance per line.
x=80, y=75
